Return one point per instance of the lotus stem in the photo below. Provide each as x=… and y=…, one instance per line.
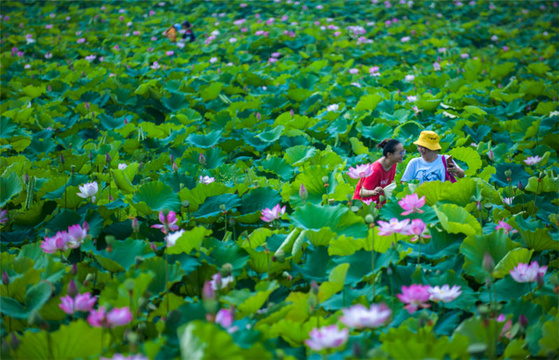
x=372, y=232
x=167, y=279
x=419, y=252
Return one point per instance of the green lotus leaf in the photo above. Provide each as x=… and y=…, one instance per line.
x=271, y=135
x=73, y=341
x=456, y=219
x=212, y=205
x=469, y=156
x=474, y=247
x=277, y=166
x=539, y=240
x=34, y=91
x=478, y=330
x=176, y=102
x=201, y=340
x=357, y=146
x=474, y=110
x=518, y=174
x=361, y=263
x=321, y=237
x=376, y=132
x=190, y=240
x=428, y=104
x=335, y=283
x=459, y=192
x=550, y=334
x=10, y=186
x=410, y=129
x=511, y=260
x=298, y=154
x=204, y=141
x=118, y=293
x=338, y=218
x=198, y=195
x=122, y=182
x=158, y=197
x=316, y=266
x=258, y=199
x=256, y=301
x=547, y=184
x=368, y=102
x=164, y=275
x=123, y=253
x=35, y=298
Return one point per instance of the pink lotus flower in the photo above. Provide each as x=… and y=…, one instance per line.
x=116, y=317
x=410, y=78
x=436, y=66
x=269, y=215
x=122, y=166
x=394, y=226
x=59, y=242
x=171, y=239
x=48, y=26
x=81, y=40
x=3, y=216
x=528, y=273
x=533, y=160
x=167, y=222
x=88, y=190
x=358, y=316
x=464, y=56
x=360, y=171
x=418, y=229
x=328, y=337
x=503, y=225
x=225, y=318
x=206, y=180
x=123, y=357
x=218, y=282
x=354, y=71
x=76, y=235
x=170, y=53
x=415, y=296
x=155, y=65
x=333, y=107
x=444, y=293
x=82, y=302
x=412, y=204
x=412, y=98
x=405, y=39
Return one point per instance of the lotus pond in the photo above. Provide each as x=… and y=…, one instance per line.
x=177, y=200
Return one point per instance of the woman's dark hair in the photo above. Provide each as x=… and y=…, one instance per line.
x=388, y=146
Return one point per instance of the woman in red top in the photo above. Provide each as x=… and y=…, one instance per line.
x=384, y=170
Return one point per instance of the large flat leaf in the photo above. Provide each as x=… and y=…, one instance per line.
x=338, y=218
x=158, y=197
x=456, y=219
x=10, y=186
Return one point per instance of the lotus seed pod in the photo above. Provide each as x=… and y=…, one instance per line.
x=508, y=173
x=186, y=204
x=129, y=284
x=488, y=263
x=325, y=179
x=369, y=219
x=72, y=288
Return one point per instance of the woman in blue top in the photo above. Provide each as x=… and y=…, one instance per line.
x=431, y=166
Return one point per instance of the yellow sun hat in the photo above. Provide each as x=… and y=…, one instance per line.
x=429, y=139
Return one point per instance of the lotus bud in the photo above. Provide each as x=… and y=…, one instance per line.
x=287, y=275
x=125, y=121
x=292, y=113
x=491, y=155
x=107, y=158
x=314, y=287
x=171, y=157
x=208, y=292
x=232, y=221
x=226, y=269
x=258, y=116
x=153, y=247
x=175, y=167
x=86, y=105
x=5, y=278
x=488, y=263
x=523, y=321
x=88, y=278
x=26, y=179
x=202, y=159
x=72, y=288
x=520, y=186
x=539, y=280
x=369, y=219
x=14, y=341
x=279, y=256
x=62, y=160
x=74, y=270
x=217, y=281
x=90, y=156
x=135, y=225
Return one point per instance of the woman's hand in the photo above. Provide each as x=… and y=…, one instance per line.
x=368, y=193
x=455, y=170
